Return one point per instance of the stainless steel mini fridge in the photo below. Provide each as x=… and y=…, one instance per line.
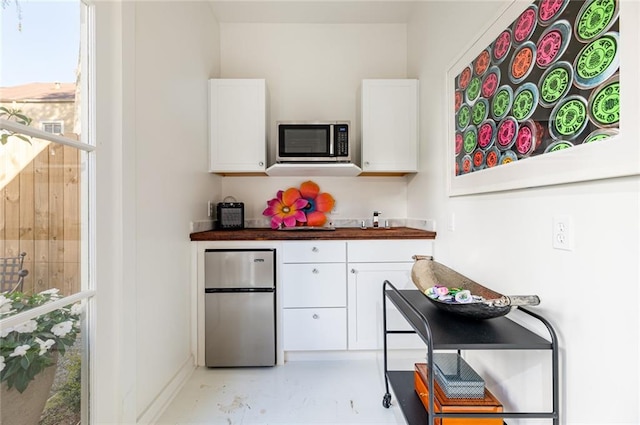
x=240, y=325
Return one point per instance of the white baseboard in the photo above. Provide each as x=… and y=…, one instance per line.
x=157, y=407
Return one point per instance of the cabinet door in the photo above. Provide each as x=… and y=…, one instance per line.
x=314, y=285
x=315, y=329
x=314, y=252
x=389, y=125
x=364, y=294
x=237, y=125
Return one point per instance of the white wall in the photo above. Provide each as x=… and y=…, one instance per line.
x=154, y=59
x=503, y=240
x=313, y=72
x=176, y=52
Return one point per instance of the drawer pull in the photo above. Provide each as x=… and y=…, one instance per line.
x=315, y=271
x=353, y=271
x=315, y=249
x=315, y=316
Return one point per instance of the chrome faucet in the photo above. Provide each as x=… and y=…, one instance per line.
x=375, y=218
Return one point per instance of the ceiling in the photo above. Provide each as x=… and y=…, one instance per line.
x=313, y=11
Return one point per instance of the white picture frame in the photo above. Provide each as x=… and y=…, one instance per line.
x=617, y=156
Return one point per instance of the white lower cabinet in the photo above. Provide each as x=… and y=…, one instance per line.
x=314, y=296
x=370, y=263
x=332, y=292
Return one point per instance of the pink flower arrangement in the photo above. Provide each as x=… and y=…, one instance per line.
x=299, y=207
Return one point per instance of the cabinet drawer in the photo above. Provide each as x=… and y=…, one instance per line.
x=314, y=252
x=315, y=329
x=314, y=285
x=387, y=251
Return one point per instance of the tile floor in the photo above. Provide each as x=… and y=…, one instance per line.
x=336, y=392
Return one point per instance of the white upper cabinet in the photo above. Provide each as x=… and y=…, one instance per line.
x=389, y=126
x=237, y=125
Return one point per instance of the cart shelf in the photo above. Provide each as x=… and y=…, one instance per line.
x=442, y=331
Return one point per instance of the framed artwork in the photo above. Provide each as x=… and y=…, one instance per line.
x=546, y=96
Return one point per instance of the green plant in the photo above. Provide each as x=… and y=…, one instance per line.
x=27, y=349
x=17, y=116
x=65, y=405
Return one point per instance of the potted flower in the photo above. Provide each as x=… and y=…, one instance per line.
x=29, y=351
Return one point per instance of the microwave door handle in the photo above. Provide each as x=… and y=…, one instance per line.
x=331, y=141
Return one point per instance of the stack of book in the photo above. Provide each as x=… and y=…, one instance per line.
x=459, y=396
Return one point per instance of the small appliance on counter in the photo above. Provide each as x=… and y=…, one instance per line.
x=230, y=214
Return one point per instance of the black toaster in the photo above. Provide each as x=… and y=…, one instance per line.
x=230, y=215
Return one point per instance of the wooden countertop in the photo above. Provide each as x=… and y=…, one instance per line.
x=340, y=233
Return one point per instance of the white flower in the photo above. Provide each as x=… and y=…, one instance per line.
x=26, y=327
x=5, y=304
x=61, y=329
x=20, y=351
x=5, y=332
x=44, y=345
x=77, y=309
x=53, y=292
x=464, y=297
x=1, y=363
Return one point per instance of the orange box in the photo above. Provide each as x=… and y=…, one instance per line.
x=442, y=404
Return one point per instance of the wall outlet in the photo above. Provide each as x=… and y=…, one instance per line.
x=562, y=233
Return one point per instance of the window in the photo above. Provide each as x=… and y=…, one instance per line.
x=55, y=127
x=46, y=194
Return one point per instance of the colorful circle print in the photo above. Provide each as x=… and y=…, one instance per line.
x=458, y=143
x=464, y=116
x=558, y=146
x=506, y=133
x=597, y=61
x=526, y=140
x=464, y=78
x=501, y=102
x=549, y=10
x=470, y=139
x=604, y=103
x=595, y=17
x=507, y=157
x=568, y=118
x=467, y=164
x=490, y=82
x=501, y=47
x=525, y=24
x=457, y=100
x=553, y=43
x=522, y=62
x=478, y=159
x=492, y=157
x=482, y=62
x=600, y=134
x=473, y=91
x=486, y=134
x=555, y=83
x=479, y=111
x=525, y=101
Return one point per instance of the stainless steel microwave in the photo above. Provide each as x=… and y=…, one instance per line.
x=313, y=141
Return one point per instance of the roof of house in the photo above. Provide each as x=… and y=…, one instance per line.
x=39, y=92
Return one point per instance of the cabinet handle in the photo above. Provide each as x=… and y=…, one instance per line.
x=315, y=316
x=315, y=271
x=315, y=249
x=353, y=271
x=261, y=163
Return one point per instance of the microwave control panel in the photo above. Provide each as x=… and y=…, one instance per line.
x=341, y=137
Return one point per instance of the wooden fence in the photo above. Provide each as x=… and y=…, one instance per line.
x=40, y=214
